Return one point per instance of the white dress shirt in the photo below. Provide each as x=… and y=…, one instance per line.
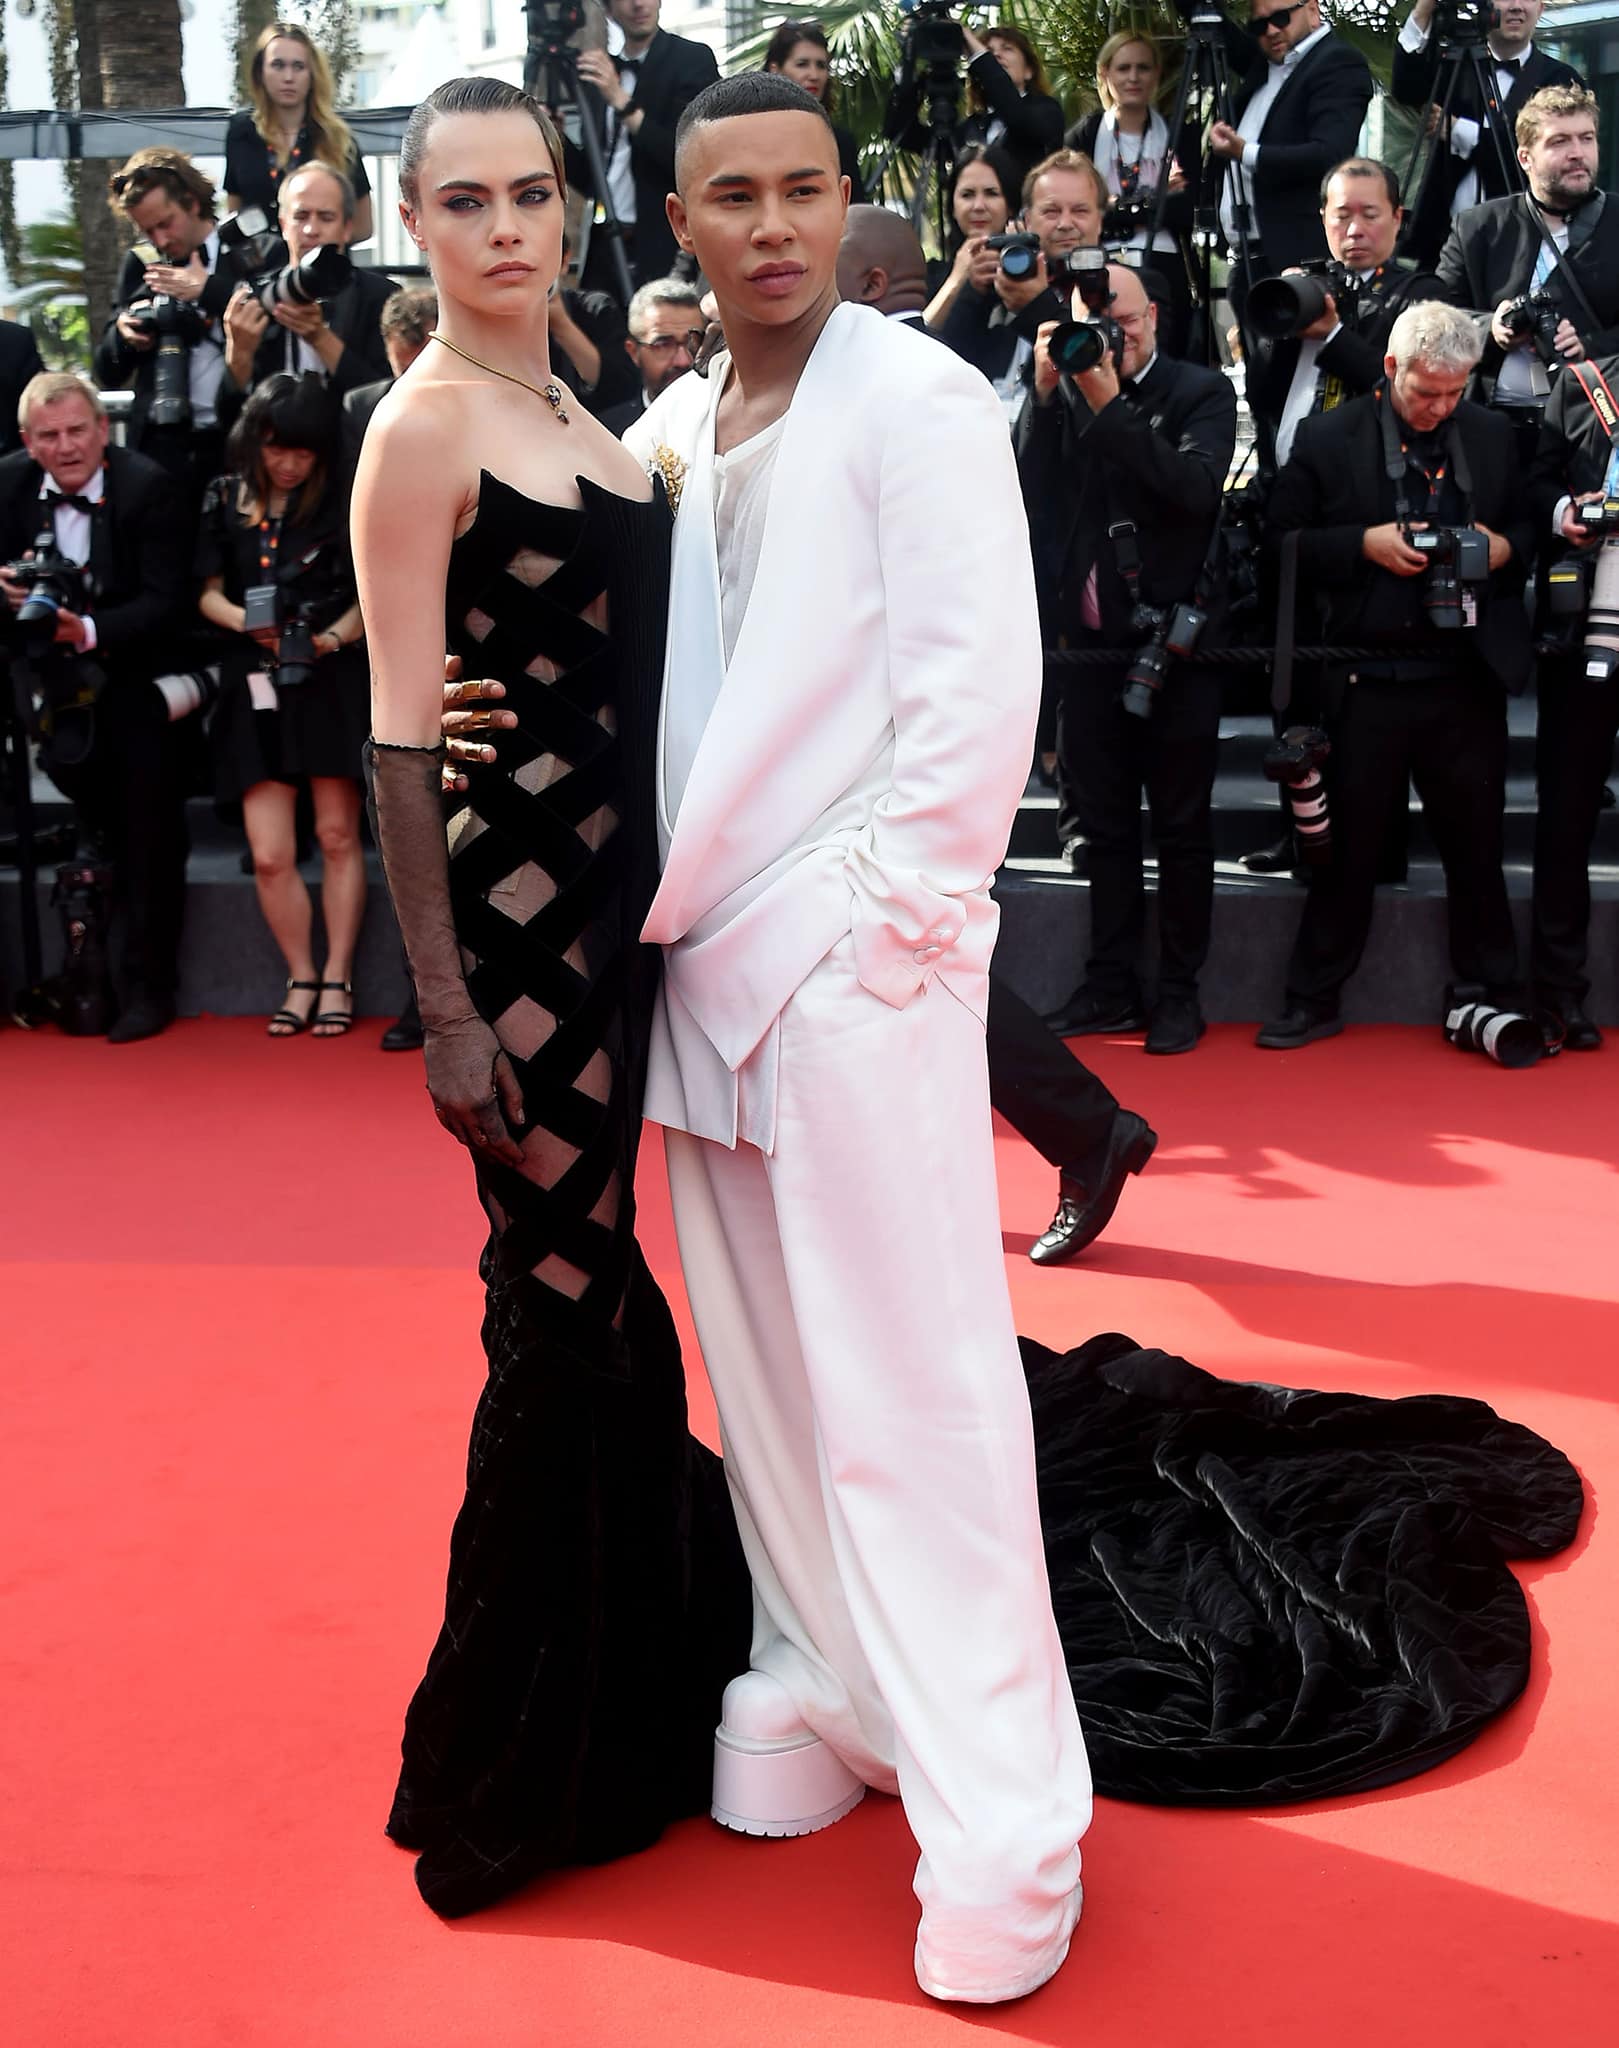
x=1464, y=134
x=1522, y=378
x=1301, y=393
x=1250, y=128
x=620, y=174
x=72, y=529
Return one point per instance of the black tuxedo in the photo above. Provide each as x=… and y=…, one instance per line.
x=1491, y=255
x=618, y=419
x=1415, y=76
x=1426, y=711
x=1157, y=456
x=358, y=406
x=1031, y=121
x=673, y=71
x=1353, y=358
x=19, y=361
x=130, y=789
x=1314, y=123
x=355, y=316
x=1577, y=716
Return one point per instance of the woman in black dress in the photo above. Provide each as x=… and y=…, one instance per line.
x=292, y=121
x=597, y=1602
x=799, y=51
x=983, y=199
x=293, y=704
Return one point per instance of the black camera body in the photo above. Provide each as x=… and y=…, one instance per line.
x=1176, y=631
x=176, y=326
x=936, y=39
x=1466, y=22
x=1080, y=345
x=1019, y=253
x=1127, y=217
x=1535, y=317
x=1280, y=307
x=1456, y=555
x=1599, y=515
x=272, y=277
x=54, y=584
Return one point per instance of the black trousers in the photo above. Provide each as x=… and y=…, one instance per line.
x=1574, y=735
x=1449, y=735
x=130, y=792
x=1108, y=758
x=1047, y=1095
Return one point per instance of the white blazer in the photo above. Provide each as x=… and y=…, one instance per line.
x=870, y=739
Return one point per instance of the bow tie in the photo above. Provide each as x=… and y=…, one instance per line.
x=1513, y=64
x=71, y=501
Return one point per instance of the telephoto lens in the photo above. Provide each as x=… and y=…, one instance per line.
x=1295, y=763
x=1476, y=1025
x=1080, y=345
x=1144, y=678
x=1280, y=307
x=321, y=274
x=1602, y=620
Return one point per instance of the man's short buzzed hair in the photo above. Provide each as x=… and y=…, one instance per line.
x=749, y=92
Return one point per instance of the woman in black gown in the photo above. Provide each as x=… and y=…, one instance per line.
x=1263, y=1594
x=597, y=1602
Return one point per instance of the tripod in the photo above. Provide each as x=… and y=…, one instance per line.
x=1206, y=79
x=551, y=75
x=938, y=152
x=1456, y=59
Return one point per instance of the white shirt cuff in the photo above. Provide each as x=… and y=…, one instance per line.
x=1413, y=36
x=1560, y=513
x=1250, y=156
x=1331, y=335
x=1464, y=136
x=89, y=646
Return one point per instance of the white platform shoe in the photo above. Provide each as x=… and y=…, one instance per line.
x=972, y=1977
x=771, y=1775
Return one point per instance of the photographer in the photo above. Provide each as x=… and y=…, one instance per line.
x=1011, y=105
x=338, y=339
x=1431, y=562
x=1338, y=353
x=1064, y=201
x=406, y=323
x=118, y=517
x=1122, y=467
x=1577, y=715
x=983, y=196
x=1303, y=97
x=1540, y=270
x=635, y=99
x=294, y=700
x=165, y=334
x=1468, y=169
x=1130, y=143
x=665, y=332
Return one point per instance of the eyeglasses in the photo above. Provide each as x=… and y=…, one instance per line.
x=1278, y=17
x=691, y=341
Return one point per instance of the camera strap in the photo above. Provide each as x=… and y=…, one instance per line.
x=1397, y=463
x=1603, y=402
x=269, y=548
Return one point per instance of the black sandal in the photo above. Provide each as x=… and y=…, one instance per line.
x=289, y=1022
x=339, y=1023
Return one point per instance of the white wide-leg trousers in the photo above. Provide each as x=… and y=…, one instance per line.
x=851, y=1302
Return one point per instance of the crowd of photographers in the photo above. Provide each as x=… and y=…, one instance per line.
x=1407, y=379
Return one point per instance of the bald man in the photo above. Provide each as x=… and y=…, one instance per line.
x=880, y=263
x=1144, y=442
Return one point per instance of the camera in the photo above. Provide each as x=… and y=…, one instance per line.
x=272, y=277
x=176, y=326
x=1601, y=515
x=936, y=41
x=1175, y=630
x=1280, y=307
x=1019, y=254
x=1294, y=762
x=295, y=661
x=1465, y=21
x=1456, y=555
x=1080, y=345
x=1602, y=622
x=1535, y=317
x=54, y=584
x=1474, y=1024
x=1126, y=217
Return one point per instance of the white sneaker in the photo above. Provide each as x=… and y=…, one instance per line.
x=955, y=1985
x=771, y=1775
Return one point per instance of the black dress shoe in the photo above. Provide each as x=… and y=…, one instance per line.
x=1089, y=1011
x=1274, y=859
x=1297, y=1027
x=142, y=1017
x=404, y=1034
x=1566, y=1028
x=1177, y=1024
x=1082, y=1215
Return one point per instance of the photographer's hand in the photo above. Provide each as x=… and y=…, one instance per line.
x=1015, y=293
x=599, y=70
x=1568, y=343
x=1570, y=528
x=976, y=46
x=132, y=334
x=71, y=631
x=309, y=324
x=245, y=322
x=14, y=592
x=1325, y=323
x=1099, y=387
x=1500, y=334
x=179, y=280
x=1500, y=546
x=1387, y=548
x=1225, y=141
x=1046, y=379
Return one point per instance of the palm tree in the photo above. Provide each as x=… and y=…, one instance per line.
x=48, y=282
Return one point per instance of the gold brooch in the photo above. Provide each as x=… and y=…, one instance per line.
x=667, y=464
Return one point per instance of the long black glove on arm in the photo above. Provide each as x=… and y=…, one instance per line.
x=475, y=1090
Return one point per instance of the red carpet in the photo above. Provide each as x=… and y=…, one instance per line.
x=240, y=1323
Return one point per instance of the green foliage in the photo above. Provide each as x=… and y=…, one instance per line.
x=49, y=287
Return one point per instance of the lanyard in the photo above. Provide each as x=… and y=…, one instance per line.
x=1433, y=478
x=269, y=547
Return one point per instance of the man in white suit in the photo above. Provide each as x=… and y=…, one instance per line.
x=835, y=787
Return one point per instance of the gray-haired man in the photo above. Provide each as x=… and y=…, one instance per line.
x=666, y=331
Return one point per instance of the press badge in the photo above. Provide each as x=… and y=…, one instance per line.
x=261, y=690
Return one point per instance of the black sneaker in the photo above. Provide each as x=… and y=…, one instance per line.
x=1088, y=1012
x=1297, y=1027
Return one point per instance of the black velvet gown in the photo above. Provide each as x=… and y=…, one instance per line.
x=597, y=1601
x=1263, y=1594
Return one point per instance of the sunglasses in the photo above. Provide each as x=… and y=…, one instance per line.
x=1278, y=17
